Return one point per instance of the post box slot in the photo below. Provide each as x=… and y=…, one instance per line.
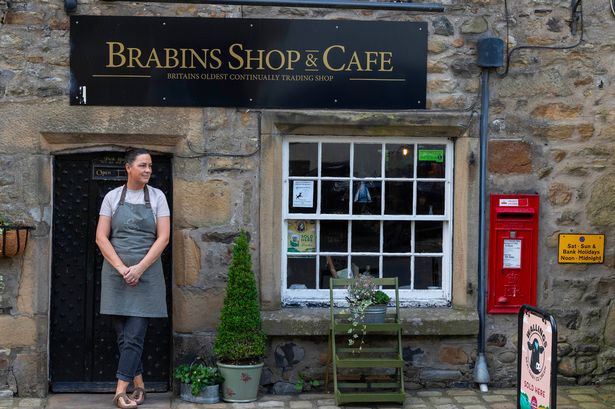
x=525, y=216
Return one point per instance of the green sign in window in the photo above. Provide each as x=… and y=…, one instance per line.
x=431, y=155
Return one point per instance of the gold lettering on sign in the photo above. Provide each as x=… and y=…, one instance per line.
x=121, y=56
x=325, y=57
x=115, y=50
x=365, y=61
x=334, y=58
x=260, y=59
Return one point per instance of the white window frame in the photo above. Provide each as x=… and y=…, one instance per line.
x=408, y=297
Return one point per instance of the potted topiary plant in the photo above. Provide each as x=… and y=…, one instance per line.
x=199, y=383
x=240, y=341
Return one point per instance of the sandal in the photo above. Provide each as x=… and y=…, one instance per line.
x=122, y=401
x=138, y=395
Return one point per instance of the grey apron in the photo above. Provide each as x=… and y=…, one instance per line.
x=133, y=231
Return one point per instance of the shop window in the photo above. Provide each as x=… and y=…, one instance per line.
x=367, y=205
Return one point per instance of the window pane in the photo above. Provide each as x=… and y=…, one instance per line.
x=302, y=196
x=365, y=265
x=430, y=198
x=367, y=159
x=397, y=237
x=431, y=161
x=428, y=237
x=365, y=236
x=399, y=162
x=301, y=236
x=336, y=159
x=335, y=197
x=427, y=273
x=334, y=235
x=397, y=267
x=366, y=198
x=300, y=272
x=303, y=159
x=398, y=198
x=332, y=266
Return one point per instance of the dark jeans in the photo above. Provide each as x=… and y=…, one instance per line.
x=130, y=339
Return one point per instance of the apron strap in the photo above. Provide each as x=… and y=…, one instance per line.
x=123, y=196
x=148, y=204
x=146, y=197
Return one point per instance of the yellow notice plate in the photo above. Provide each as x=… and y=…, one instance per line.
x=581, y=248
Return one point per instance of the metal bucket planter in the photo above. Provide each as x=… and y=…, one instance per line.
x=209, y=394
x=13, y=240
x=240, y=382
x=375, y=314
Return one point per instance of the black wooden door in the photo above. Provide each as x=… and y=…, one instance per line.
x=83, y=352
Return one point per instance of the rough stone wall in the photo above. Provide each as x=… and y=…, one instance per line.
x=551, y=126
x=552, y=133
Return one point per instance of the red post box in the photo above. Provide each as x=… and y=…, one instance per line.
x=513, y=247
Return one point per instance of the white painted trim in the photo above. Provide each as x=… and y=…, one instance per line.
x=436, y=297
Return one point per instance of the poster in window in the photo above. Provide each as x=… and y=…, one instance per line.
x=301, y=236
x=303, y=193
x=512, y=254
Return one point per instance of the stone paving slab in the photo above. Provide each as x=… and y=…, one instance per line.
x=593, y=397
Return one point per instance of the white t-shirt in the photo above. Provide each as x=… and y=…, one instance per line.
x=111, y=202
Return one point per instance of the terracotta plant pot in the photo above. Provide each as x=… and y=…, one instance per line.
x=13, y=240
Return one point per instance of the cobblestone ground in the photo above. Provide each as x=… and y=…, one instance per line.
x=597, y=397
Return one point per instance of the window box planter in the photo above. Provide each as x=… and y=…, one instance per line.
x=13, y=240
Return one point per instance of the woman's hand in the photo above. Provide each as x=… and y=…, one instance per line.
x=133, y=275
x=122, y=270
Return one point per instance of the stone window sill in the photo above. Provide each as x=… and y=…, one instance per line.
x=415, y=321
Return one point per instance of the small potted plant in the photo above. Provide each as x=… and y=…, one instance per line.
x=240, y=344
x=199, y=383
x=366, y=304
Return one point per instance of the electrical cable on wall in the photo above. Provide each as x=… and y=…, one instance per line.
x=577, y=10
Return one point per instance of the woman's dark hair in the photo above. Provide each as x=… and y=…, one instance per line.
x=132, y=154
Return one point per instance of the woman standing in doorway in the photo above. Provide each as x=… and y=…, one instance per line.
x=133, y=230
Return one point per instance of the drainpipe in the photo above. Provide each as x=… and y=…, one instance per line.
x=490, y=55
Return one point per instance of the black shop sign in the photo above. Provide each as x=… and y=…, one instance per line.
x=248, y=63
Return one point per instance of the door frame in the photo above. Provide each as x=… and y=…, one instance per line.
x=60, y=387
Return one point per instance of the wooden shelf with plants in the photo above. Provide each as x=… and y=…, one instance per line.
x=368, y=364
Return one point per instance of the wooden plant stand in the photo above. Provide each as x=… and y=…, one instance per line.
x=375, y=372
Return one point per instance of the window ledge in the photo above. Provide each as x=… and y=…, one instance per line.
x=415, y=321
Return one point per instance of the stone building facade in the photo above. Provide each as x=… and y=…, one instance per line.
x=551, y=128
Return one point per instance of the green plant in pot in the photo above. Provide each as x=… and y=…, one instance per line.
x=240, y=342
x=366, y=305
x=199, y=382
